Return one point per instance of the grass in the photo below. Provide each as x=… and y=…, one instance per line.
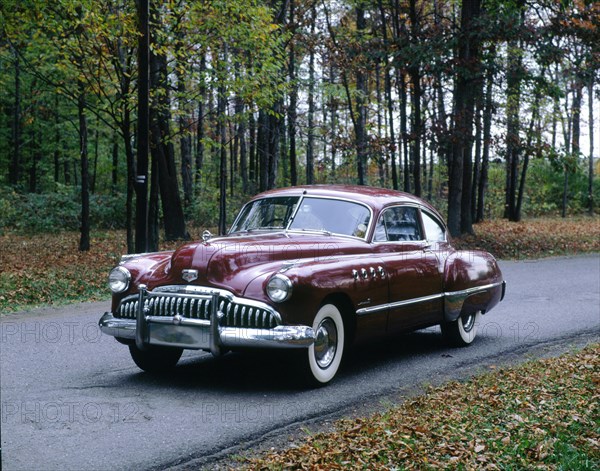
x=544, y=414
x=48, y=269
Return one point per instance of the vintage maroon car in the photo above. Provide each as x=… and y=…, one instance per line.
x=313, y=268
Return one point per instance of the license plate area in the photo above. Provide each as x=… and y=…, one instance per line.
x=182, y=336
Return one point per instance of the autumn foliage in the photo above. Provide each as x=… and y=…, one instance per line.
x=534, y=238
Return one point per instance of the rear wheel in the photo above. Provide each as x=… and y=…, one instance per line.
x=320, y=362
x=463, y=330
x=155, y=359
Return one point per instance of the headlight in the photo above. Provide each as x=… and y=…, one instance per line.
x=279, y=288
x=118, y=279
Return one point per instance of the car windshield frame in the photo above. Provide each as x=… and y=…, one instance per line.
x=250, y=211
x=297, y=210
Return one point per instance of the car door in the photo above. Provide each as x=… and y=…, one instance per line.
x=414, y=272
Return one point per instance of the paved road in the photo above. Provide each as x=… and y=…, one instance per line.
x=72, y=398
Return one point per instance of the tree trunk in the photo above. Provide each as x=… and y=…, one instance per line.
x=252, y=152
x=143, y=138
x=591, y=134
x=115, y=164
x=382, y=153
x=263, y=149
x=404, y=131
x=415, y=80
x=200, y=132
x=221, y=116
x=185, y=142
x=388, y=98
x=126, y=134
x=274, y=144
x=477, y=164
x=513, y=109
x=15, y=162
x=575, y=135
x=163, y=150
x=512, y=130
x=534, y=116
x=461, y=166
x=95, y=164
x=487, y=136
x=293, y=106
x=333, y=120
x=361, y=109
x=577, y=98
x=153, y=210
x=84, y=240
x=56, y=142
x=241, y=140
x=310, y=144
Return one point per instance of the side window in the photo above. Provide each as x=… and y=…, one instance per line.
x=433, y=230
x=398, y=224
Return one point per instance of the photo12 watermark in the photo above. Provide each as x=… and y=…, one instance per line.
x=69, y=332
x=69, y=412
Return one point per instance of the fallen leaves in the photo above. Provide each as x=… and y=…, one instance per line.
x=535, y=237
x=544, y=414
x=49, y=268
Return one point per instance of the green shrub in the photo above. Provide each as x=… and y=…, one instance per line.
x=60, y=210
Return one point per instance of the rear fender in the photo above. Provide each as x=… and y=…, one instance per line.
x=472, y=282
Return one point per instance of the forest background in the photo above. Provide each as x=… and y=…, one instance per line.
x=486, y=108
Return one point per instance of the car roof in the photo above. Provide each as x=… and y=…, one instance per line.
x=376, y=198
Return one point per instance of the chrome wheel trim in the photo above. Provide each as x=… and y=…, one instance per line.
x=325, y=343
x=468, y=322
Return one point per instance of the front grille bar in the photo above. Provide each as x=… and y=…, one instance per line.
x=169, y=302
x=199, y=306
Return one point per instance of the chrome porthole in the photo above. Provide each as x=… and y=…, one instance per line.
x=326, y=343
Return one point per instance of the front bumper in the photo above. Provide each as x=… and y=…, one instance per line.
x=206, y=334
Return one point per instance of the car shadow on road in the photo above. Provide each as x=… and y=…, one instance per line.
x=274, y=371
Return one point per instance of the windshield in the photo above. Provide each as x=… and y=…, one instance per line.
x=333, y=216
x=314, y=214
x=266, y=214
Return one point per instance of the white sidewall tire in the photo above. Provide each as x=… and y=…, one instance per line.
x=324, y=375
x=468, y=337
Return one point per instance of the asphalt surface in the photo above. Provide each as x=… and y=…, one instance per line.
x=72, y=399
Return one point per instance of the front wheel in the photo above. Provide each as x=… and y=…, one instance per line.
x=155, y=359
x=463, y=330
x=321, y=361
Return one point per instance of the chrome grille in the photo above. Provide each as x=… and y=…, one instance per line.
x=239, y=315
x=235, y=314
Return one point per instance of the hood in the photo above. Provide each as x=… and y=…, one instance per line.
x=232, y=262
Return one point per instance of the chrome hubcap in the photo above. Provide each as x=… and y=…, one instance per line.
x=325, y=343
x=468, y=322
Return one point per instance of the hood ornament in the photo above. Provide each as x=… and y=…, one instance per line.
x=206, y=236
x=189, y=275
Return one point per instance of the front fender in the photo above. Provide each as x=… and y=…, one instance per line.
x=314, y=281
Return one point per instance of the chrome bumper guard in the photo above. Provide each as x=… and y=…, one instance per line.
x=199, y=334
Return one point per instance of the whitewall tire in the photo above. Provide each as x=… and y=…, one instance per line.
x=463, y=330
x=323, y=358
